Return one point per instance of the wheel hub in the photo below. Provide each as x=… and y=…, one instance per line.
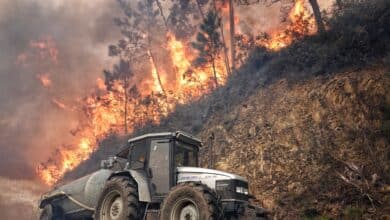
x=116, y=208
x=189, y=212
x=185, y=209
x=112, y=207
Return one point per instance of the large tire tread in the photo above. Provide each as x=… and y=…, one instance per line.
x=130, y=194
x=210, y=197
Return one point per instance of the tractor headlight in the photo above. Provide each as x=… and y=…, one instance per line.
x=232, y=189
x=242, y=190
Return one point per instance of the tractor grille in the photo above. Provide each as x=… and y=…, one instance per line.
x=227, y=189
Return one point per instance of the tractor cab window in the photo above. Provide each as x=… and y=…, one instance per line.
x=124, y=153
x=137, y=155
x=160, y=166
x=185, y=155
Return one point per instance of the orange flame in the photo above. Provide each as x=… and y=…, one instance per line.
x=192, y=82
x=146, y=103
x=301, y=23
x=105, y=113
x=59, y=104
x=100, y=84
x=67, y=159
x=46, y=48
x=156, y=85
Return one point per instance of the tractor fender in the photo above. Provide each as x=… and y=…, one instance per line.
x=46, y=199
x=142, y=181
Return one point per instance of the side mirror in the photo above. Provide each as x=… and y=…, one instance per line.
x=108, y=164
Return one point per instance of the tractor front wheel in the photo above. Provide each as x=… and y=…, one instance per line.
x=191, y=201
x=119, y=200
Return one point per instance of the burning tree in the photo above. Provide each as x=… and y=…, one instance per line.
x=123, y=72
x=208, y=42
x=130, y=49
x=186, y=14
x=314, y=5
x=141, y=20
x=182, y=15
x=317, y=15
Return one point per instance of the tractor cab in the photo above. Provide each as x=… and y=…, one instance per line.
x=159, y=155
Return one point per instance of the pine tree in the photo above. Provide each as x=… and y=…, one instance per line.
x=208, y=42
x=122, y=72
x=149, y=15
x=183, y=17
x=129, y=50
x=141, y=18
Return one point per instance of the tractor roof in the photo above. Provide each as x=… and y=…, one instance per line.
x=179, y=135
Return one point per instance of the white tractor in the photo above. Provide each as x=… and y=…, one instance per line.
x=156, y=176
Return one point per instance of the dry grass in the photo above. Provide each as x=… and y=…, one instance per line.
x=291, y=142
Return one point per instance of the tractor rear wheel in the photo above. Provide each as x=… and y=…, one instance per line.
x=191, y=201
x=119, y=200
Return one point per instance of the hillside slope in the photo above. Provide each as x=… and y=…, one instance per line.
x=291, y=141
x=307, y=125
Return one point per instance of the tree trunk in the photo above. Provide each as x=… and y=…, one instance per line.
x=126, y=85
x=151, y=53
x=215, y=73
x=211, y=156
x=232, y=34
x=317, y=15
x=211, y=151
x=162, y=14
x=157, y=73
x=200, y=9
x=225, y=51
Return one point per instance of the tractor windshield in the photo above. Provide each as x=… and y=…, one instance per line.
x=185, y=155
x=124, y=153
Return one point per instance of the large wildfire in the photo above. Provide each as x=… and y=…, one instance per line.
x=150, y=100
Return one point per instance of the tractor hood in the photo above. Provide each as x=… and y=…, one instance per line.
x=205, y=176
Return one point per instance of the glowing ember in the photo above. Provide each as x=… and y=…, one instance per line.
x=58, y=103
x=42, y=50
x=46, y=48
x=44, y=79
